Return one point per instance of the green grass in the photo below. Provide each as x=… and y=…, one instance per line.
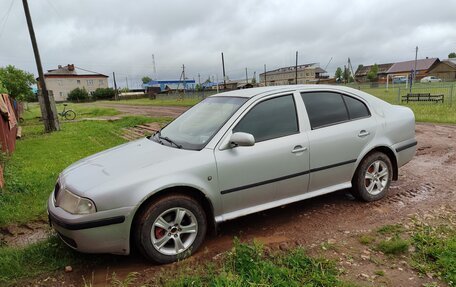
x=188, y=102
x=39, y=258
x=392, y=229
x=33, y=112
x=436, y=250
x=394, y=245
x=31, y=171
x=424, y=111
x=366, y=239
x=248, y=265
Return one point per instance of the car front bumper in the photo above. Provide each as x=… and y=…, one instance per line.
x=99, y=232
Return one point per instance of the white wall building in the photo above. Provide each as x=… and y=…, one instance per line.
x=64, y=79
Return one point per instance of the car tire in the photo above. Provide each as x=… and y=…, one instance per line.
x=170, y=229
x=373, y=177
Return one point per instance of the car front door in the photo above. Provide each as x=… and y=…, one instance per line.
x=249, y=175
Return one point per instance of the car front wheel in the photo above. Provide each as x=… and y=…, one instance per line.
x=373, y=177
x=170, y=229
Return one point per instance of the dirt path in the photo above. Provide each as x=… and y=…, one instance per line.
x=425, y=184
x=150, y=111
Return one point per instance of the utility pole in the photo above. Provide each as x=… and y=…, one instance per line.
x=116, y=96
x=224, y=76
x=416, y=59
x=254, y=77
x=126, y=81
x=246, y=77
x=48, y=109
x=183, y=76
x=199, y=80
x=296, y=68
x=265, y=81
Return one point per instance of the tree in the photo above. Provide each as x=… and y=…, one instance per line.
x=3, y=90
x=338, y=74
x=253, y=81
x=78, y=94
x=372, y=74
x=346, y=75
x=146, y=79
x=16, y=82
x=452, y=55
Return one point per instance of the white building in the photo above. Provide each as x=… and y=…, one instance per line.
x=64, y=79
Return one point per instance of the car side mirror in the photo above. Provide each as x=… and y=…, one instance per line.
x=242, y=139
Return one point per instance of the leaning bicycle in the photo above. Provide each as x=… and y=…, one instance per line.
x=67, y=114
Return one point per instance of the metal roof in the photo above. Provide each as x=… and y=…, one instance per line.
x=407, y=66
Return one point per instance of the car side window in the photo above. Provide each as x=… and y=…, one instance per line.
x=270, y=119
x=325, y=108
x=356, y=108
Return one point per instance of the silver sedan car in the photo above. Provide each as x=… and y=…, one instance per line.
x=232, y=154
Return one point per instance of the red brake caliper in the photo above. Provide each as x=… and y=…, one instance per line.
x=159, y=232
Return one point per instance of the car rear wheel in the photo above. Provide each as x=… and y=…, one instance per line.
x=373, y=177
x=170, y=229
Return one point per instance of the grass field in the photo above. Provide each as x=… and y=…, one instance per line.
x=31, y=171
x=32, y=112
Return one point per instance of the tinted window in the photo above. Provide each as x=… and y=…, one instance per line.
x=356, y=108
x=270, y=119
x=324, y=108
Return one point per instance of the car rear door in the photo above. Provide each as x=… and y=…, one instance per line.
x=341, y=127
x=249, y=177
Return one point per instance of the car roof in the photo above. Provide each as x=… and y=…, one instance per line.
x=264, y=91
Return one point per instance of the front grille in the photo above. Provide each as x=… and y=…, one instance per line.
x=56, y=190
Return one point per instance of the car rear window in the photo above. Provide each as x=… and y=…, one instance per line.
x=356, y=108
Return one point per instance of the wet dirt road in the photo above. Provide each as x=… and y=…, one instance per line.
x=426, y=183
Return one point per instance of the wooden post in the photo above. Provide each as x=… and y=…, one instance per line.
x=48, y=110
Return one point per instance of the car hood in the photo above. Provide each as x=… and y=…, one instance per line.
x=117, y=162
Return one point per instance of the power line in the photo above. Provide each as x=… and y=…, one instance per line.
x=5, y=18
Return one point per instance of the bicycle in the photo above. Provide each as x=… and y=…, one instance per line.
x=67, y=114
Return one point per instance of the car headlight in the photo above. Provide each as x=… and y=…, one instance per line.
x=74, y=204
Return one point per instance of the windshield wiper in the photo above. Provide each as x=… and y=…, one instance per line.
x=158, y=134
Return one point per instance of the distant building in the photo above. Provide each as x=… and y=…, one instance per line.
x=445, y=70
x=307, y=74
x=64, y=79
x=423, y=67
x=171, y=85
x=361, y=73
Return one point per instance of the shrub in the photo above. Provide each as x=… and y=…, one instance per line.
x=103, y=94
x=78, y=94
x=394, y=246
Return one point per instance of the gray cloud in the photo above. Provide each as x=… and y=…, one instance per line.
x=121, y=36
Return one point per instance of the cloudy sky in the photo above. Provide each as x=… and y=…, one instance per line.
x=122, y=36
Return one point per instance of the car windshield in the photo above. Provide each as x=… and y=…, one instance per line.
x=194, y=128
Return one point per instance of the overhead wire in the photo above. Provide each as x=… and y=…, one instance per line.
x=5, y=18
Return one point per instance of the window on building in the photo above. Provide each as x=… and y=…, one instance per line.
x=78, y=82
x=89, y=82
x=100, y=82
x=61, y=94
x=59, y=82
x=307, y=74
x=270, y=119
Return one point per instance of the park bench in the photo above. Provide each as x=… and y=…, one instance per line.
x=422, y=97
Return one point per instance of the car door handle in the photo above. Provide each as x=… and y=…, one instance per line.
x=298, y=148
x=363, y=133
